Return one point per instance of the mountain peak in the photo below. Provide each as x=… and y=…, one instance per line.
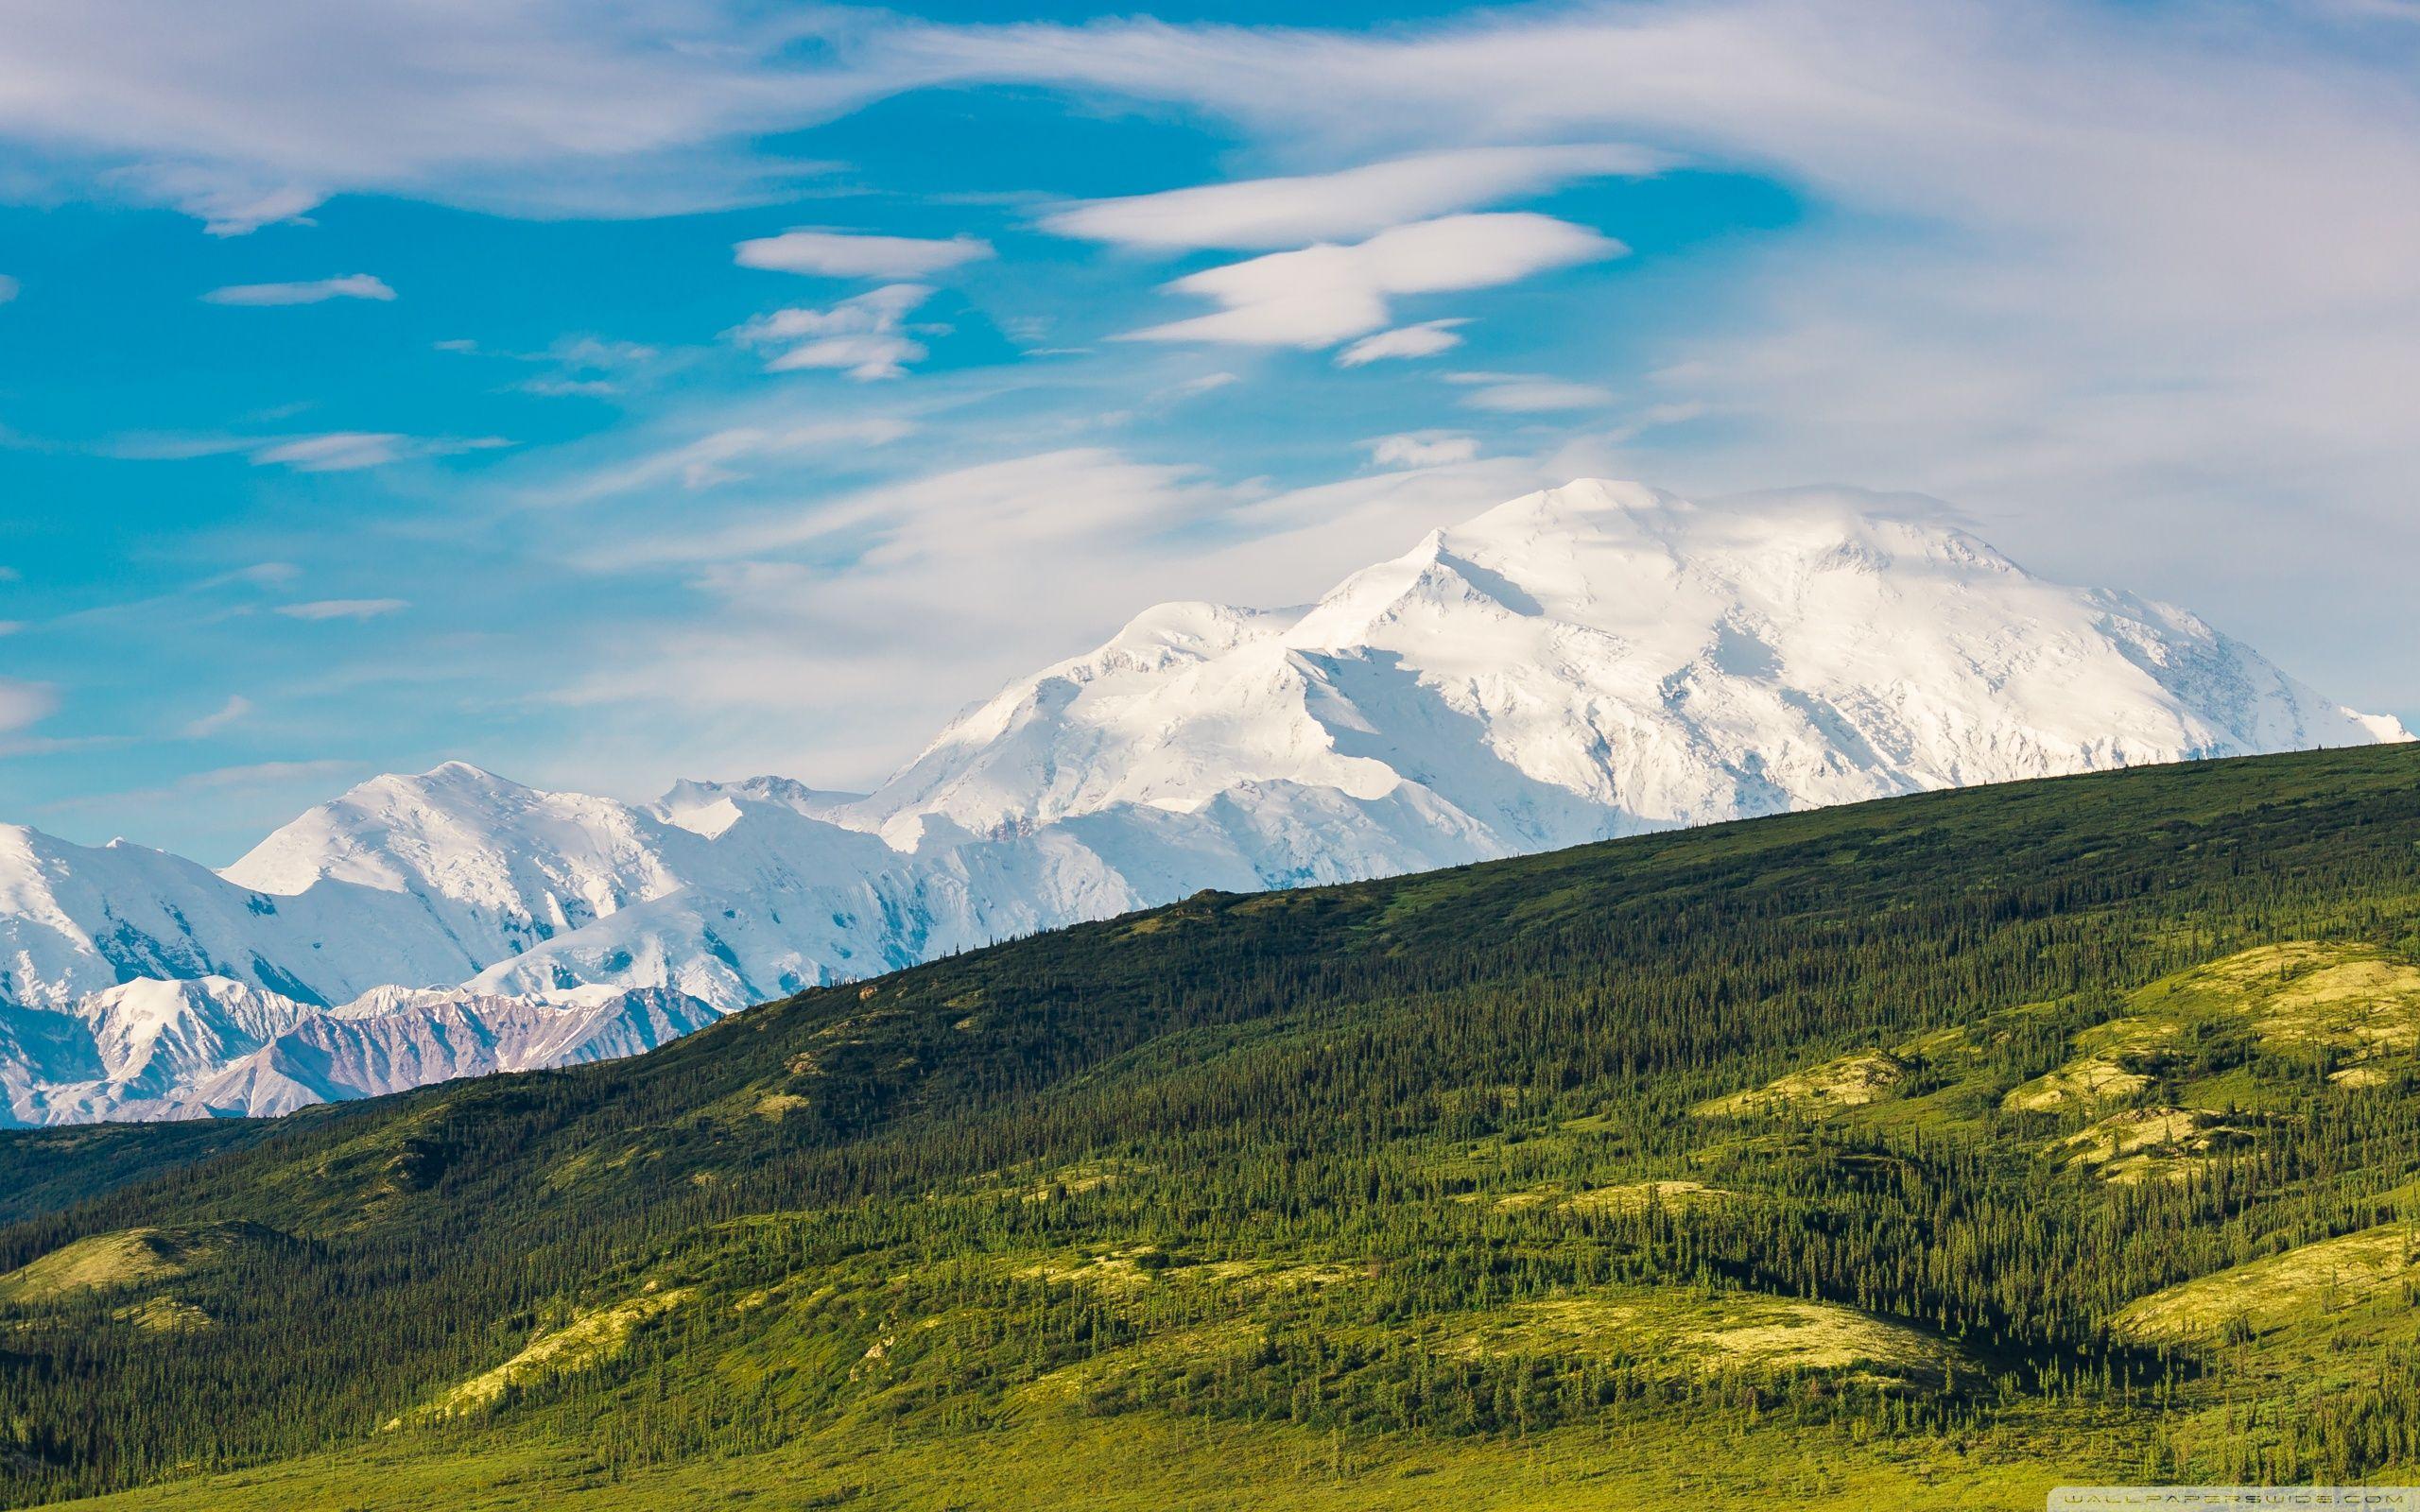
x=1581, y=506
x=462, y=774
x=1192, y=627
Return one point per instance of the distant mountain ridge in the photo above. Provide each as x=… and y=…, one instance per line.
x=1577, y=664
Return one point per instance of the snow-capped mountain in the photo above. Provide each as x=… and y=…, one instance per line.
x=1588, y=662
x=212, y=1045
x=1601, y=659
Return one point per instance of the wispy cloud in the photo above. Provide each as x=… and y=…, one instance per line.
x=2064, y=251
x=234, y=709
x=349, y=451
x=966, y=511
x=14, y=744
x=1426, y=339
x=257, y=574
x=547, y=108
x=10, y=288
x=252, y=776
x=854, y=254
x=23, y=704
x=1203, y=383
x=1254, y=214
x=323, y=452
x=1515, y=393
x=585, y=367
x=350, y=287
x=1319, y=296
x=863, y=336
x=724, y=456
x=230, y=199
x=829, y=617
x=343, y=608
x=1423, y=449
x=843, y=604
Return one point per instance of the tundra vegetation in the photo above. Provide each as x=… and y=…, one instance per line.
x=1932, y=1151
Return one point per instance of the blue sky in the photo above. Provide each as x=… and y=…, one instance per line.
x=607, y=394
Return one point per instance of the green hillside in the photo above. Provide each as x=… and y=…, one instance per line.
x=1923, y=1154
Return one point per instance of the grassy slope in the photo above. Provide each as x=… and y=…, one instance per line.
x=1344, y=1196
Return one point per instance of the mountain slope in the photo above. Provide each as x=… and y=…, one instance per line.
x=75, y=919
x=1716, y=1155
x=1589, y=662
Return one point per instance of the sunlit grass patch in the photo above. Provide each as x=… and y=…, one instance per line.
x=1678, y=1335
x=127, y=1258
x=2141, y=1143
x=2308, y=1281
x=586, y=1342
x=1845, y=1081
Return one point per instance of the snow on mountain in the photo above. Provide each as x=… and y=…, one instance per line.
x=211, y=1045
x=336, y=1056
x=75, y=919
x=151, y=1036
x=501, y=866
x=1602, y=658
x=1587, y=661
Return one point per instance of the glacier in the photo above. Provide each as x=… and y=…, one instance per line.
x=1580, y=663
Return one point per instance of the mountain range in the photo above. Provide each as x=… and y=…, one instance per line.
x=1578, y=664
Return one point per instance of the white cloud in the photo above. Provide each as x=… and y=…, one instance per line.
x=1013, y=562
x=1423, y=449
x=851, y=254
x=259, y=772
x=343, y=608
x=24, y=703
x=336, y=452
x=2098, y=272
x=349, y=451
x=350, y=287
x=863, y=336
x=588, y=367
x=273, y=777
x=235, y=707
x=833, y=614
x=539, y=106
x=1319, y=296
x=1515, y=393
x=328, y=451
x=561, y=387
x=1653, y=417
x=842, y=632
x=226, y=198
x=1206, y=383
x=10, y=288
x=1266, y=214
x=968, y=513
x=2093, y=270
x=1426, y=339
x=721, y=456
x=597, y=354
